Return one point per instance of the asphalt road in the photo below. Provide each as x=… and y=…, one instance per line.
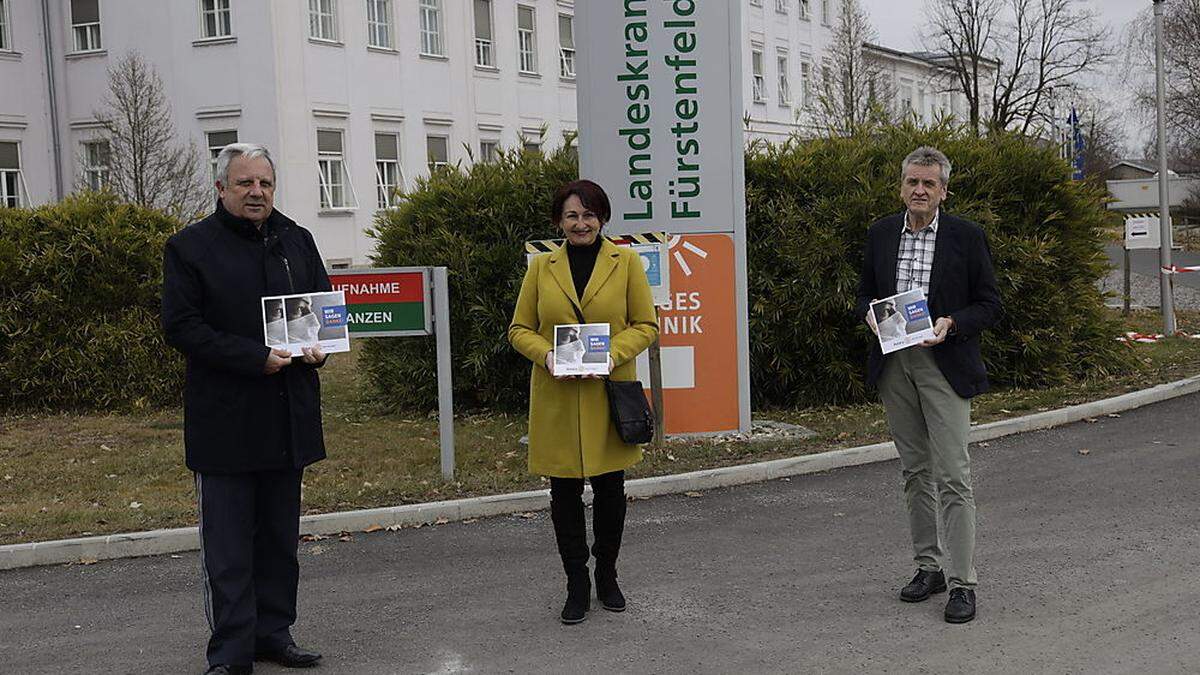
x=1087, y=564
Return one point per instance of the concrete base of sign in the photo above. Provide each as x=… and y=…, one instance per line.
x=158, y=542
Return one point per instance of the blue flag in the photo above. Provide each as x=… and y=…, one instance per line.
x=1077, y=144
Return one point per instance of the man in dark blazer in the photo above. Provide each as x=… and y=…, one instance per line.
x=252, y=414
x=926, y=390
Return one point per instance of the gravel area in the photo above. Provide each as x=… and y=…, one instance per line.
x=1144, y=292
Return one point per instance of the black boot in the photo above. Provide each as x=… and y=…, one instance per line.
x=570, y=531
x=608, y=524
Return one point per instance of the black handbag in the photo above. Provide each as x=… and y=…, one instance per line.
x=630, y=410
x=627, y=405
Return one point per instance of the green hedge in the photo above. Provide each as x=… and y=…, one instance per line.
x=809, y=204
x=474, y=222
x=79, y=297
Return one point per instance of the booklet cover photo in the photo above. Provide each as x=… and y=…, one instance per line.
x=581, y=349
x=293, y=322
x=902, y=320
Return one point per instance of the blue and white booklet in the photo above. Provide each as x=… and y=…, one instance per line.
x=902, y=320
x=293, y=322
x=581, y=349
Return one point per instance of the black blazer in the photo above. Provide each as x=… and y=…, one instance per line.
x=962, y=286
x=235, y=418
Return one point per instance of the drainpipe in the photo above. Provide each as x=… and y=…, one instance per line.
x=53, y=91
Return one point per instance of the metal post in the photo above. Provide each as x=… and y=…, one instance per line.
x=1125, y=310
x=1164, y=201
x=656, y=389
x=441, y=329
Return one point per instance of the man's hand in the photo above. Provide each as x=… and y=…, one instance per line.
x=277, y=359
x=312, y=355
x=870, y=319
x=941, y=329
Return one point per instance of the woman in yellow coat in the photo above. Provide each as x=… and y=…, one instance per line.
x=571, y=436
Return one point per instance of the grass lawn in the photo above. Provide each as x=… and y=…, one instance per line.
x=70, y=475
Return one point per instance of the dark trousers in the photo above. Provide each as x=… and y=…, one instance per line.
x=249, y=533
x=608, y=522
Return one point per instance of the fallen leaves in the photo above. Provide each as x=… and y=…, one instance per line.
x=692, y=493
x=373, y=528
x=1084, y=451
x=135, y=505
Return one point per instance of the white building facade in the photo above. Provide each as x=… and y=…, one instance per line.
x=355, y=98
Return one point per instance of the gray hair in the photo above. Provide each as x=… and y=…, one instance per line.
x=927, y=156
x=248, y=150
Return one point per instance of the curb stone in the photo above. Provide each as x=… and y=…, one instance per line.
x=158, y=542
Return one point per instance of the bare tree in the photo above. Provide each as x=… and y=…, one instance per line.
x=1181, y=55
x=1037, y=46
x=147, y=164
x=1103, y=136
x=854, y=90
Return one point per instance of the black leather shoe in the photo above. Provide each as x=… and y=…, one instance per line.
x=608, y=592
x=579, y=599
x=229, y=670
x=961, y=606
x=290, y=656
x=923, y=585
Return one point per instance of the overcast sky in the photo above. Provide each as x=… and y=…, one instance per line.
x=899, y=24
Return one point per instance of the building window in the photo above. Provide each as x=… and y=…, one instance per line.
x=566, y=46
x=805, y=82
x=217, y=140
x=379, y=24
x=906, y=98
x=5, y=42
x=85, y=25
x=825, y=18
x=10, y=175
x=388, y=176
x=804, y=10
x=437, y=149
x=336, y=190
x=785, y=91
x=922, y=103
x=534, y=145
x=489, y=151
x=215, y=20
x=95, y=164
x=431, y=28
x=322, y=20
x=756, y=66
x=781, y=6
x=526, y=39
x=483, y=34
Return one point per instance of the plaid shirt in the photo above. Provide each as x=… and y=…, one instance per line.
x=915, y=258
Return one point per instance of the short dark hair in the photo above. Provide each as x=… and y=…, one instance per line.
x=591, y=194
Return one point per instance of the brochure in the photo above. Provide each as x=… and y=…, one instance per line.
x=292, y=322
x=903, y=320
x=581, y=349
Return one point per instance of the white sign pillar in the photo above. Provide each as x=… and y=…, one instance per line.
x=659, y=91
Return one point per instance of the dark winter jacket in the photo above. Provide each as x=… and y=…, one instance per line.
x=215, y=272
x=962, y=286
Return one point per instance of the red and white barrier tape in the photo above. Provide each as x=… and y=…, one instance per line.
x=1180, y=269
x=1153, y=337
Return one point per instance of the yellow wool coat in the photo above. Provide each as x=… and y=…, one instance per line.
x=571, y=434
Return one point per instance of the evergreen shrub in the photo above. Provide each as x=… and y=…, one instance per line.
x=809, y=204
x=80, y=283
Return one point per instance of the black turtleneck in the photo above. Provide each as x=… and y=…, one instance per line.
x=583, y=260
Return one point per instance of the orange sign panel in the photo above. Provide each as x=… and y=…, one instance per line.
x=698, y=335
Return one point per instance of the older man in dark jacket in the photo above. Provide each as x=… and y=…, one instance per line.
x=927, y=389
x=252, y=414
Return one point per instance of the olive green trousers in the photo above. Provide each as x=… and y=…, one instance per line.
x=930, y=424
